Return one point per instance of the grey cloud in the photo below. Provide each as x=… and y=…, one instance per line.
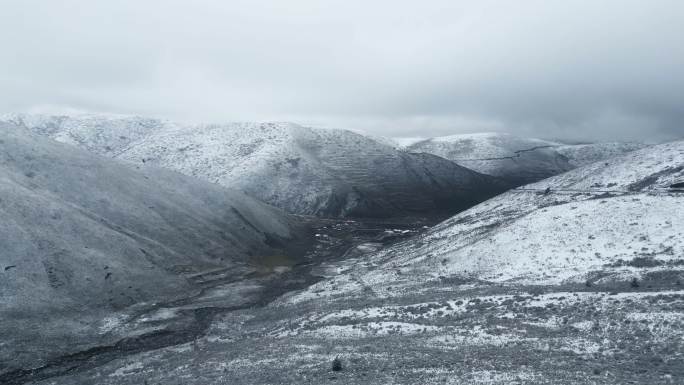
x=574, y=70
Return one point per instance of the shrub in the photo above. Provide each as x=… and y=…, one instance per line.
x=337, y=365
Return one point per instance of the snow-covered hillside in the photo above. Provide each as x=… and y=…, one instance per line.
x=103, y=134
x=578, y=279
x=591, y=217
x=582, y=154
x=83, y=236
x=299, y=169
x=518, y=160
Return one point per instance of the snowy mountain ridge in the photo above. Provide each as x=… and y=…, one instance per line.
x=105, y=134
x=518, y=160
x=327, y=172
x=588, y=218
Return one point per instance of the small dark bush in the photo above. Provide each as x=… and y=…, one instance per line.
x=644, y=262
x=634, y=283
x=337, y=365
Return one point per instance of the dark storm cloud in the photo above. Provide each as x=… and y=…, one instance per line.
x=565, y=69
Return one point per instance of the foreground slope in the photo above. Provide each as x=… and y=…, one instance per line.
x=299, y=169
x=83, y=237
x=581, y=284
x=518, y=160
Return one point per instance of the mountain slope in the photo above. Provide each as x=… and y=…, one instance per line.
x=582, y=154
x=590, y=217
x=83, y=237
x=518, y=160
x=321, y=172
x=579, y=284
x=302, y=170
x=102, y=134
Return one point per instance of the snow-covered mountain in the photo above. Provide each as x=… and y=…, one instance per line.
x=99, y=133
x=518, y=160
x=587, y=220
x=300, y=169
x=586, y=273
x=83, y=236
x=576, y=279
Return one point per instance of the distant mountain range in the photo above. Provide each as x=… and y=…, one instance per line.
x=517, y=160
x=334, y=173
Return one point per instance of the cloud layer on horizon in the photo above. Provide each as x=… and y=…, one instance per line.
x=572, y=70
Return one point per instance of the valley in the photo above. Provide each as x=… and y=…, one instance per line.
x=136, y=273
x=342, y=192
x=153, y=326
x=484, y=297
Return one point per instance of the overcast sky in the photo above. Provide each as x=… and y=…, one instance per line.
x=569, y=69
